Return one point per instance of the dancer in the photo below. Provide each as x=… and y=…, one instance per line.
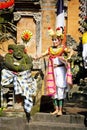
x=56, y=81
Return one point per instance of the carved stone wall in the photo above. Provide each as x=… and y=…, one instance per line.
x=73, y=19
x=32, y=21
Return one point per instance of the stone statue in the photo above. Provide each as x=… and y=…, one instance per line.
x=18, y=66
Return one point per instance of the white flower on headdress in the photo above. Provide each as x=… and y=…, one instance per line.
x=59, y=31
x=50, y=31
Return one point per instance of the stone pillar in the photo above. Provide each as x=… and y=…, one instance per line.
x=37, y=18
x=48, y=19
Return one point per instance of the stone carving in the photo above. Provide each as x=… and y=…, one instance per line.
x=17, y=74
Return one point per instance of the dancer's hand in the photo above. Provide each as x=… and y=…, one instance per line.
x=35, y=57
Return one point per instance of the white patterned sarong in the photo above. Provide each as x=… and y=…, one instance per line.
x=24, y=84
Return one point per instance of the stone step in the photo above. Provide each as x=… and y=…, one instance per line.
x=43, y=121
x=4, y=128
x=39, y=125
x=12, y=123
x=47, y=117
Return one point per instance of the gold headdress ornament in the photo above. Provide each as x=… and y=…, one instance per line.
x=57, y=33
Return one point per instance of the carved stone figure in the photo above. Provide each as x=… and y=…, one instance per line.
x=17, y=71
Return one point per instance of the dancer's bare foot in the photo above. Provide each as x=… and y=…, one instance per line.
x=59, y=113
x=54, y=113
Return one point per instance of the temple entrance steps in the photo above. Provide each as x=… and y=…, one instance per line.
x=46, y=121
x=43, y=121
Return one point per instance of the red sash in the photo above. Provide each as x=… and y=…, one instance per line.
x=69, y=75
x=50, y=81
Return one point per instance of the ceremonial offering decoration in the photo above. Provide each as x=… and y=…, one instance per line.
x=26, y=35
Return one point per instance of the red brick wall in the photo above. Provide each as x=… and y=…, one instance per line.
x=73, y=18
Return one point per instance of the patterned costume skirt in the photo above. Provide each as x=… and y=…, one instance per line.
x=24, y=84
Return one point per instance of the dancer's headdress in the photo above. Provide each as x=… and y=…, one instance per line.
x=56, y=34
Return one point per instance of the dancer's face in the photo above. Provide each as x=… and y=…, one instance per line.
x=56, y=41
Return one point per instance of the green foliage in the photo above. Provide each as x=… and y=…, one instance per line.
x=1, y=111
x=17, y=60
